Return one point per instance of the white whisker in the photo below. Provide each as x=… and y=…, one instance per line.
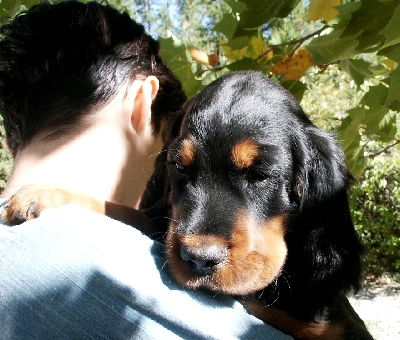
x=157, y=153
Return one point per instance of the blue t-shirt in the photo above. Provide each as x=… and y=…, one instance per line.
x=74, y=274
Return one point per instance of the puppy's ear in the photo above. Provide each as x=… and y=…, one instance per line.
x=325, y=247
x=155, y=199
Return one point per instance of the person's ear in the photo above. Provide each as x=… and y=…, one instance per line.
x=145, y=95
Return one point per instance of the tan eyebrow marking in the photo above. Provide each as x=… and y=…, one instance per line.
x=245, y=153
x=187, y=151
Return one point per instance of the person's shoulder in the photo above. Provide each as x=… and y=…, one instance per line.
x=97, y=238
x=72, y=219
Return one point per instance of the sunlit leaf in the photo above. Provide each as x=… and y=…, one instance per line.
x=255, y=47
x=174, y=53
x=357, y=165
x=358, y=69
x=323, y=9
x=349, y=131
x=332, y=47
x=249, y=47
x=387, y=127
x=355, y=160
x=294, y=67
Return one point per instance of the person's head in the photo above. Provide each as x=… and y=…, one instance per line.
x=60, y=62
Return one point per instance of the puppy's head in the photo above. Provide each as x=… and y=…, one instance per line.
x=231, y=170
x=247, y=172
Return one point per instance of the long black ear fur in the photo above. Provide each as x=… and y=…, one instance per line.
x=155, y=200
x=324, y=249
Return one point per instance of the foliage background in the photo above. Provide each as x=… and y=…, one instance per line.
x=339, y=58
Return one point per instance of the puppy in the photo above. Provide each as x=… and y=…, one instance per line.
x=257, y=199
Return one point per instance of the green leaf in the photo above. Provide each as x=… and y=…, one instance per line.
x=393, y=98
x=377, y=118
x=391, y=30
x=375, y=99
x=330, y=48
x=376, y=96
x=355, y=160
x=174, y=53
x=358, y=69
x=238, y=43
x=236, y=48
x=259, y=12
x=296, y=88
x=227, y=25
x=392, y=52
x=333, y=47
x=367, y=22
x=372, y=117
x=349, y=130
x=373, y=120
x=286, y=8
x=350, y=139
x=244, y=64
x=362, y=27
x=380, y=69
x=237, y=7
x=387, y=127
x=9, y=8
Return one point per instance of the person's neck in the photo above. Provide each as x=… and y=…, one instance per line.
x=96, y=163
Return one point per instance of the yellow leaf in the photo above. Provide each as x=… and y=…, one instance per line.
x=323, y=9
x=255, y=48
x=294, y=67
x=234, y=55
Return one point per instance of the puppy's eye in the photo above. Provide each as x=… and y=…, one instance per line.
x=181, y=168
x=255, y=176
x=178, y=166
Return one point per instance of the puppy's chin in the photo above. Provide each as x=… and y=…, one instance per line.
x=253, y=261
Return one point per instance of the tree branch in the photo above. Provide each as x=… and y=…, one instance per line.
x=372, y=155
x=296, y=42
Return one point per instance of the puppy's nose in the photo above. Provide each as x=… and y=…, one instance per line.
x=204, y=259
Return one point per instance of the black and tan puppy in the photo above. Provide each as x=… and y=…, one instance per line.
x=259, y=209
x=257, y=196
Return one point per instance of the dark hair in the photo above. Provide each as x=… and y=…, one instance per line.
x=58, y=62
